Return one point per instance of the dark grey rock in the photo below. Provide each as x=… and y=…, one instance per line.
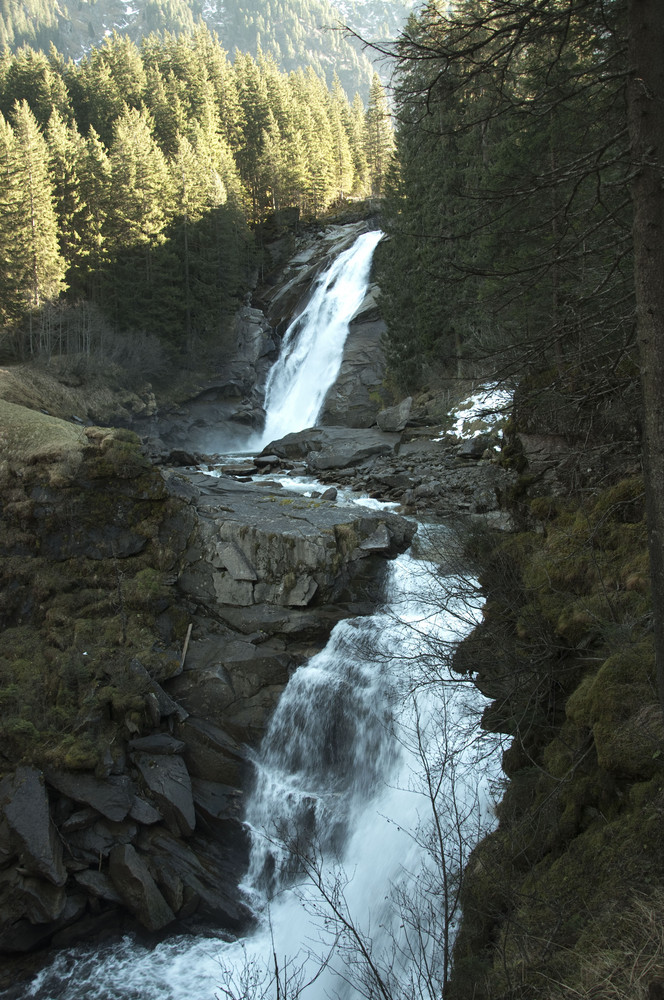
x=379, y=541
x=355, y=398
x=96, y=841
x=111, y=797
x=208, y=873
x=395, y=418
x=98, y=884
x=157, y=743
x=474, y=447
x=7, y=851
x=79, y=820
x=135, y=885
x=235, y=679
x=144, y=812
x=35, y=899
x=212, y=753
x=168, y=780
x=19, y=936
x=216, y=801
x=25, y=806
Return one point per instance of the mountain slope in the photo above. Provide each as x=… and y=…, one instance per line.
x=296, y=32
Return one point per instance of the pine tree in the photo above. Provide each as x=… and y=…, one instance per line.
x=38, y=264
x=379, y=140
x=95, y=180
x=141, y=208
x=29, y=76
x=66, y=150
x=12, y=278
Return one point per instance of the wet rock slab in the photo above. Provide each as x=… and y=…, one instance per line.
x=258, y=545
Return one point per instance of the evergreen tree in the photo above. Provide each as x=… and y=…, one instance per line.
x=66, y=150
x=30, y=77
x=35, y=260
x=141, y=207
x=510, y=196
x=12, y=276
x=95, y=180
x=340, y=124
x=379, y=140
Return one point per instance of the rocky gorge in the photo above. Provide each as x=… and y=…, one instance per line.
x=153, y=612
x=163, y=576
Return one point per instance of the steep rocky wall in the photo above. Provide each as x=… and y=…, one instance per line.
x=358, y=394
x=123, y=760
x=566, y=894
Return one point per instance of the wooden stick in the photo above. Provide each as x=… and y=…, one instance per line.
x=186, y=644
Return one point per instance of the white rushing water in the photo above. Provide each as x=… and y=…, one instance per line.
x=373, y=746
x=313, y=345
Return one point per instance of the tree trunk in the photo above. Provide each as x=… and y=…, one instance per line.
x=646, y=123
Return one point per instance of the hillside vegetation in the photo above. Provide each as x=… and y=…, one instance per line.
x=134, y=180
x=295, y=33
x=513, y=238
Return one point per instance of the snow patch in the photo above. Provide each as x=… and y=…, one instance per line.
x=484, y=412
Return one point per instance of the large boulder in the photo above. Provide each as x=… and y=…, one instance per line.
x=212, y=753
x=286, y=549
x=395, y=418
x=135, y=885
x=113, y=797
x=168, y=781
x=32, y=835
x=334, y=447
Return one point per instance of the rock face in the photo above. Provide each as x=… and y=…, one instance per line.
x=28, y=826
x=131, y=878
x=357, y=394
x=257, y=546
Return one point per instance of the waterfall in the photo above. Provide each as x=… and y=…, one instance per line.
x=313, y=345
x=371, y=741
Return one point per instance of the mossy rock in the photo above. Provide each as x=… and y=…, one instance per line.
x=619, y=688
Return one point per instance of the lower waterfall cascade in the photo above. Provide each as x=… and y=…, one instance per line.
x=373, y=750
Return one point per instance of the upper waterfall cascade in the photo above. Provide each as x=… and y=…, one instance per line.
x=313, y=345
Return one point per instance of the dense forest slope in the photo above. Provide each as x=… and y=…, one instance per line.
x=132, y=180
x=295, y=33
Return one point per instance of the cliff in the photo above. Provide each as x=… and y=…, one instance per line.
x=150, y=620
x=565, y=897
